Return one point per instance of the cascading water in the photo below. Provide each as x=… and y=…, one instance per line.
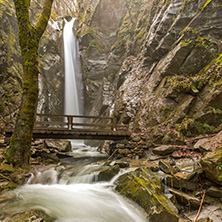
x=73, y=76
x=71, y=193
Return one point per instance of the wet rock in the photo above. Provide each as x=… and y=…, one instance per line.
x=214, y=192
x=205, y=220
x=180, y=183
x=177, y=154
x=47, y=157
x=120, y=163
x=163, y=150
x=185, y=199
x=6, y=185
x=156, y=157
x=211, y=163
x=108, y=173
x=31, y=216
x=62, y=146
x=144, y=187
x=124, y=152
x=185, y=176
x=166, y=167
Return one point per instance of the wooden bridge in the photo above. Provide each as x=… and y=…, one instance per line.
x=49, y=126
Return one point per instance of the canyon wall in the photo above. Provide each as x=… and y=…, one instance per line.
x=156, y=65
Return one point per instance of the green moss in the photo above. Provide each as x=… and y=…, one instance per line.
x=197, y=42
x=141, y=35
x=214, y=110
x=191, y=127
x=219, y=59
x=193, y=84
x=94, y=44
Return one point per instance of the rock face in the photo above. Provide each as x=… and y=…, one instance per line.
x=212, y=165
x=208, y=145
x=10, y=64
x=99, y=24
x=161, y=66
x=144, y=187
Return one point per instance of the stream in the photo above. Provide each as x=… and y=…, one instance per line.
x=70, y=192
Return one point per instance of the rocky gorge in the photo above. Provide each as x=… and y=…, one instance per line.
x=155, y=65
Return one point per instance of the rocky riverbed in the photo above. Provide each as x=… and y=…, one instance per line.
x=169, y=182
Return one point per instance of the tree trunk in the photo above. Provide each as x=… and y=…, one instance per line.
x=18, y=152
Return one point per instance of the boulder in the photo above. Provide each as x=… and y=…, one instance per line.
x=60, y=145
x=185, y=199
x=38, y=216
x=210, y=144
x=120, y=163
x=214, y=192
x=211, y=164
x=180, y=181
x=166, y=167
x=108, y=173
x=207, y=219
x=213, y=212
x=163, y=150
x=200, y=142
x=144, y=187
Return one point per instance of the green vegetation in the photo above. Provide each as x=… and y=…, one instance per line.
x=219, y=168
x=190, y=127
x=195, y=83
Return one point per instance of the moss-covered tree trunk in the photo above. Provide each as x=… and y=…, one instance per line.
x=18, y=152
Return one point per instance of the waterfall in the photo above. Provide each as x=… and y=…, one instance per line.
x=73, y=77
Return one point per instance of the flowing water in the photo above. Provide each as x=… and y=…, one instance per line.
x=73, y=76
x=70, y=192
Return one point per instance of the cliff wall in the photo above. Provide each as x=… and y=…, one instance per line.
x=159, y=65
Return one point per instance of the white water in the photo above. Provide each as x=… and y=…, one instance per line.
x=72, y=194
x=73, y=76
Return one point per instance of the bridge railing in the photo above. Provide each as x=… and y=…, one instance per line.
x=72, y=122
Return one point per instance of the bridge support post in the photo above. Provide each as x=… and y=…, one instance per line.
x=69, y=122
x=114, y=124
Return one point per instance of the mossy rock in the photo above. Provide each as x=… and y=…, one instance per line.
x=30, y=216
x=7, y=185
x=108, y=173
x=6, y=169
x=212, y=165
x=144, y=187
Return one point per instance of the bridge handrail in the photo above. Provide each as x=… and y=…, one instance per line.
x=70, y=123
x=75, y=116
